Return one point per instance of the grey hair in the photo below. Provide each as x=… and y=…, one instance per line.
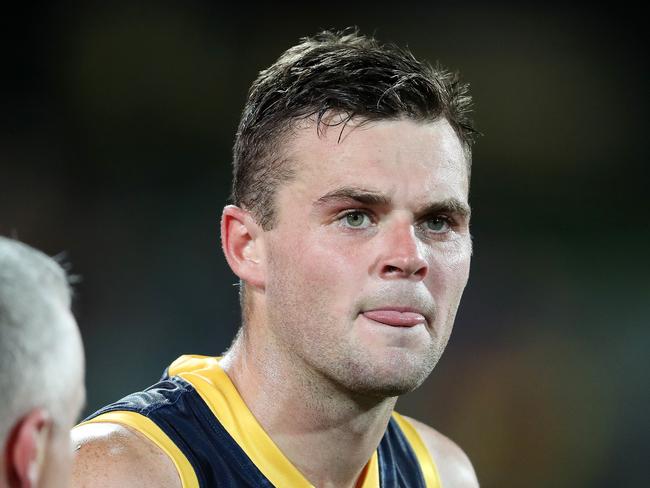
x=39, y=339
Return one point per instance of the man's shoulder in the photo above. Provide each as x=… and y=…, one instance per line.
x=454, y=467
x=111, y=455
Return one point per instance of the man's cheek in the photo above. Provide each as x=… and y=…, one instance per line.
x=331, y=270
x=449, y=266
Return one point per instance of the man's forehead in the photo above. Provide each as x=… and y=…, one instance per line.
x=365, y=183
x=409, y=163
x=355, y=144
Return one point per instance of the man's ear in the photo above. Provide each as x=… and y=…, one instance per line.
x=25, y=449
x=242, y=243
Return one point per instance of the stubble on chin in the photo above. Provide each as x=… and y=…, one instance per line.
x=392, y=375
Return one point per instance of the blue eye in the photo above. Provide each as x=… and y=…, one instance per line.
x=356, y=220
x=437, y=225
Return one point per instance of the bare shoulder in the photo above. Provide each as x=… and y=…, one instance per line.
x=454, y=467
x=110, y=456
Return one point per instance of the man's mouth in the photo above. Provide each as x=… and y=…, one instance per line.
x=395, y=317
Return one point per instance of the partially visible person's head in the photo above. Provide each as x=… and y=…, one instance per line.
x=342, y=74
x=41, y=369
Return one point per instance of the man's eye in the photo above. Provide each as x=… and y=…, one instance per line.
x=356, y=220
x=437, y=225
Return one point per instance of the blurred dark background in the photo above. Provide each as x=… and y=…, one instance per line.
x=116, y=124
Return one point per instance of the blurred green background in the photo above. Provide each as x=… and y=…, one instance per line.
x=116, y=126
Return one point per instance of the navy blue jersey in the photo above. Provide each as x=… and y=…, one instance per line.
x=197, y=417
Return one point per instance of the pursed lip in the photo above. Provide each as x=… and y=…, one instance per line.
x=396, y=316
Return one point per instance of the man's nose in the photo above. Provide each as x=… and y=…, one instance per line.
x=402, y=254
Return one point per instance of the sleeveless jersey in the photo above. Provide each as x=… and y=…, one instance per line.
x=197, y=417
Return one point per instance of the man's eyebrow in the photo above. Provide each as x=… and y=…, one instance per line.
x=358, y=194
x=373, y=197
x=448, y=205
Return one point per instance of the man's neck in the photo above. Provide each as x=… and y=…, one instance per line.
x=327, y=433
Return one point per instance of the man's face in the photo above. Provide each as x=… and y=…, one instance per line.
x=370, y=252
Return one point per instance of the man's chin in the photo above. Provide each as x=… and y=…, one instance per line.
x=388, y=379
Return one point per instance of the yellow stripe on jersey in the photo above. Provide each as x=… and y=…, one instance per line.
x=428, y=467
x=370, y=475
x=152, y=432
x=221, y=396
x=223, y=399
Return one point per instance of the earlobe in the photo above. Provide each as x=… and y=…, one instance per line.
x=26, y=448
x=242, y=243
